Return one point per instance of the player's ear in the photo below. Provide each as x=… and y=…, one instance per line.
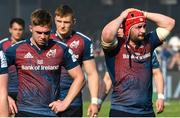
x=10, y=31
x=30, y=28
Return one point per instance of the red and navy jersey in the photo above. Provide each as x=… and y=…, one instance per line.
x=130, y=69
x=82, y=48
x=39, y=73
x=3, y=63
x=155, y=62
x=13, y=78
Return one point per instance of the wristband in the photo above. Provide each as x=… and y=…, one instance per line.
x=99, y=101
x=161, y=96
x=94, y=100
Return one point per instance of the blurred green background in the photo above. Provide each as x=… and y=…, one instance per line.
x=172, y=108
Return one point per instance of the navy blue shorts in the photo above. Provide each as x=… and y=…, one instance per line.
x=117, y=113
x=28, y=114
x=71, y=112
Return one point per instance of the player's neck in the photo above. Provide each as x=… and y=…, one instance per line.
x=63, y=37
x=13, y=40
x=35, y=44
x=135, y=43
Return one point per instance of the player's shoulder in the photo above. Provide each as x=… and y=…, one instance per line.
x=20, y=42
x=60, y=43
x=4, y=40
x=151, y=34
x=83, y=36
x=17, y=44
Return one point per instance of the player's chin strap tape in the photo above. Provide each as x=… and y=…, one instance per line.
x=162, y=33
x=109, y=45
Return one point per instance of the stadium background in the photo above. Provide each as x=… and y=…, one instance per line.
x=91, y=16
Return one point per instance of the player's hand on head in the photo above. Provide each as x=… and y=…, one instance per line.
x=126, y=11
x=159, y=105
x=132, y=9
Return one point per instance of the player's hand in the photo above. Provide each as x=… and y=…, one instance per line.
x=126, y=11
x=58, y=106
x=12, y=106
x=159, y=105
x=92, y=110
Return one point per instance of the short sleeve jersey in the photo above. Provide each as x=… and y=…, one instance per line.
x=3, y=63
x=131, y=75
x=13, y=78
x=39, y=73
x=155, y=62
x=82, y=48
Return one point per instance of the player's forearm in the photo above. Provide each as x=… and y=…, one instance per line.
x=74, y=89
x=159, y=85
x=93, y=79
x=93, y=84
x=103, y=94
x=161, y=20
x=4, y=107
x=4, y=103
x=108, y=82
x=106, y=85
x=159, y=81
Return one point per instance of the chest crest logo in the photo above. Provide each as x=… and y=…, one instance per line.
x=51, y=53
x=74, y=44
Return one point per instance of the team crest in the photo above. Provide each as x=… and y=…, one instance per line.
x=3, y=60
x=74, y=44
x=51, y=53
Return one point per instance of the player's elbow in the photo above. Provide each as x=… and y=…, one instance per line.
x=171, y=24
x=107, y=35
x=80, y=78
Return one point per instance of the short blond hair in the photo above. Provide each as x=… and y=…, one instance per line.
x=64, y=10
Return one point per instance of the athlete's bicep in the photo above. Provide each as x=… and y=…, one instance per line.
x=76, y=72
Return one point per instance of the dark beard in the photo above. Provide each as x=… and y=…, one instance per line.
x=137, y=43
